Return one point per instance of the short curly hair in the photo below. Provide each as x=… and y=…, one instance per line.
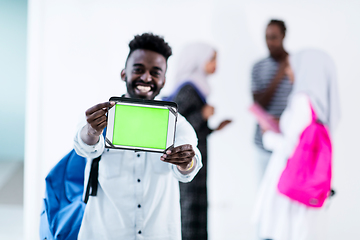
x=149, y=41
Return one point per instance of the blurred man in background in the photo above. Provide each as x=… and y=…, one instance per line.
x=270, y=83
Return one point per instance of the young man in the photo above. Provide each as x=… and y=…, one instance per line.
x=270, y=83
x=138, y=192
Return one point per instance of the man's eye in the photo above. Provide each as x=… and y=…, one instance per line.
x=155, y=74
x=137, y=70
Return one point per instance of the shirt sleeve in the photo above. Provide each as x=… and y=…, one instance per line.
x=256, y=85
x=185, y=134
x=88, y=151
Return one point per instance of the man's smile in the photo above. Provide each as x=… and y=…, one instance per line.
x=143, y=89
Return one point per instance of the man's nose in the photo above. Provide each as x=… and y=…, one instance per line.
x=146, y=77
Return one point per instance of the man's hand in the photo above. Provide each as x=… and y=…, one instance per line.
x=264, y=129
x=180, y=156
x=264, y=97
x=96, y=122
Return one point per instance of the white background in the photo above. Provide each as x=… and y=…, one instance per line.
x=77, y=48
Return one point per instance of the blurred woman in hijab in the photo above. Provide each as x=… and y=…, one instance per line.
x=196, y=62
x=279, y=217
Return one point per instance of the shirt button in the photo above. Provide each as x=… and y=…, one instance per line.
x=138, y=155
x=108, y=149
x=139, y=232
x=139, y=206
x=138, y=180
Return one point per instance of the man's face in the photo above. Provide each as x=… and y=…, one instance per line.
x=274, y=39
x=144, y=74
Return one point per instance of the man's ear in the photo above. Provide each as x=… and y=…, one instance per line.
x=123, y=75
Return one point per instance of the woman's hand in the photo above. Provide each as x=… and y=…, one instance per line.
x=207, y=111
x=223, y=124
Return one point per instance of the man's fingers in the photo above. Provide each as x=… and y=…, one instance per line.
x=97, y=114
x=179, y=158
x=98, y=120
x=99, y=123
x=186, y=147
x=178, y=161
x=181, y=155
x=98, y=107
x=184, y=154
x=102, y=126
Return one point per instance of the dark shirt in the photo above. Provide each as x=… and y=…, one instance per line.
x=190, y=104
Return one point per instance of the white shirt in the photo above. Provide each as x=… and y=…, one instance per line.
x=279, y=217
x=138, y=194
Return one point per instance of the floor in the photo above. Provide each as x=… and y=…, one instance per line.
x=11, y=200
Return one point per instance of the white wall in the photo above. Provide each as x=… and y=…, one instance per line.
x=77, y=48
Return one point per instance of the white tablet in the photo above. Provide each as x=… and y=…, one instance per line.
x=142, y=125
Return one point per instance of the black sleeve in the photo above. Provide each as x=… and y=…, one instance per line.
x=190, y=105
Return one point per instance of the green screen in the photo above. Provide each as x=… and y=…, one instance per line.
x=140, y=126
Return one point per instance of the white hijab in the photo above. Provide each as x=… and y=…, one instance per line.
x=315, y=75
x=191, y=66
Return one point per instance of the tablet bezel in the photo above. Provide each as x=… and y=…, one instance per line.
x=173, y=111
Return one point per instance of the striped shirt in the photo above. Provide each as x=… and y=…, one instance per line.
x=263, y=73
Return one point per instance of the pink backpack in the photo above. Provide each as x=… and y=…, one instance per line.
x=307, y=176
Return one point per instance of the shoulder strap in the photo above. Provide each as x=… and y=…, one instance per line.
x=93, y=177
x=314, y=117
